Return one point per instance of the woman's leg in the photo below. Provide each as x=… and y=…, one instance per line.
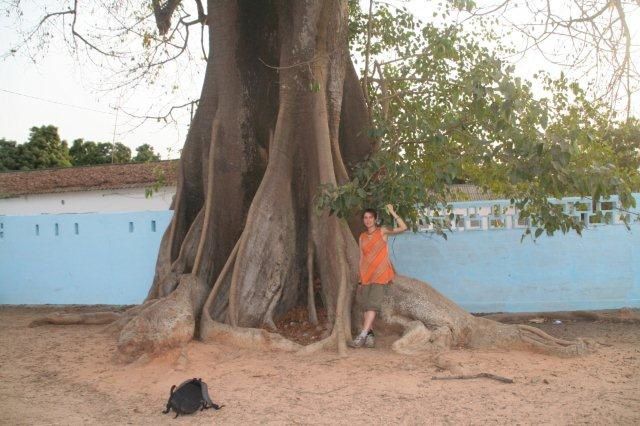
x=367, y=296
x=369, y=317
x=360, y=339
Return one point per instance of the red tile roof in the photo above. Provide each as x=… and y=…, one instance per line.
x=131, y=175
x=470, y=192
x=87, y=178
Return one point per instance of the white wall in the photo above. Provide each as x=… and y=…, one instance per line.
x=103, y=201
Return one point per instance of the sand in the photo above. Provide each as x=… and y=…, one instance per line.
x=66, y=375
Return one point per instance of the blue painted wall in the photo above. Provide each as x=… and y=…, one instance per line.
x=492, y=271
x=109, y=261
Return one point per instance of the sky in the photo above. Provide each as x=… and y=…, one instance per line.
x=73, y=93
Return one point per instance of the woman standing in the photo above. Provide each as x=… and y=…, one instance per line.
x=376, y=271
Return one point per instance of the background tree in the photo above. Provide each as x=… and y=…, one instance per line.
x=44, y=149
x=88, y=153
x=282, y=112
x=121, y=153
x=145, y=154
x=9, y=156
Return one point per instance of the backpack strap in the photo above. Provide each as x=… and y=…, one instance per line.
x=169, y=401
x=207, y=399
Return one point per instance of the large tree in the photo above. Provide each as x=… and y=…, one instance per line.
x=281, y=114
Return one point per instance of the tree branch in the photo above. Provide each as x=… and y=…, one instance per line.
x=163, y=14
x=599, y=36
x=365, y=76
x=626, y=63
x=202, y=17
x=165, y=116
x=76, y=34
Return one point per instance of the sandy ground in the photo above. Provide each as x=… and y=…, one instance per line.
x=66, y=375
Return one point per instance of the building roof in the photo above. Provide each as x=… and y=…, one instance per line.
x=133, y=175
x=470, y=192
x=87, y=178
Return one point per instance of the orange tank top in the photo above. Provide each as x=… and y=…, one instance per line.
x=375, y=266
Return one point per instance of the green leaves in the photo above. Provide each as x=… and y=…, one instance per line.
x=45, y=149
x=314, y=86
x=84, y=153
x=145, y=154
x=448, y=110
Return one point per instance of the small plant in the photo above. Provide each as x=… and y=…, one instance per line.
x=160, y=181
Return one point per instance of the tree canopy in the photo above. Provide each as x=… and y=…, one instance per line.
x=85, y=153
x=45, y=149
x=145, y=154
x=445, y=108
x=8, y=155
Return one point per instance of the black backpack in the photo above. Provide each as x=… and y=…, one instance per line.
x=192, y=395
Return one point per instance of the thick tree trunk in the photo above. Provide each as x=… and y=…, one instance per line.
x=281, y=113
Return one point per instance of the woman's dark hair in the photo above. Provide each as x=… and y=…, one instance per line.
x=372, y=211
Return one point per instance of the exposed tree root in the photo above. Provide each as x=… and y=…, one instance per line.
x=417, y=338
x=311, y=294
x=544, y=337
x=116, y=327
x=92, y=318
x=245, y=337
x=168, y=323
x=330, y=342
x=476, y=376
x=431, y=322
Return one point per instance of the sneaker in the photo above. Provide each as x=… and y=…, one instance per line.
x=358, y=342
x=370, y=340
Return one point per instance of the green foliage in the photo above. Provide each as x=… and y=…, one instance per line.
x=447, y=109
x=145, y=154
x=121, y=153
x=9, y=155
x=159, y=182
x=88, y=153
x=44, y=149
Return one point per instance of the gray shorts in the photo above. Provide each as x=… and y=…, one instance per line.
x=371, y=296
